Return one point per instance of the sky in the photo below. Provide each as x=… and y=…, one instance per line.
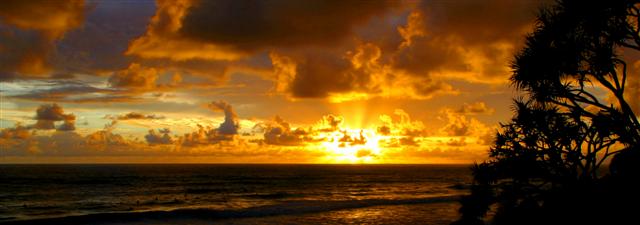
x=272, y=81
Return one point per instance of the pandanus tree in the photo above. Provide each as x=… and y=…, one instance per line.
x=573, y=118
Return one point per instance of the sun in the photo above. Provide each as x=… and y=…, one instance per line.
x=352, y=146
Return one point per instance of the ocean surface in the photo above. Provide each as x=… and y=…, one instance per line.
x=231, y=194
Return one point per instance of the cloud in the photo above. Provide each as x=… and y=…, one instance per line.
x=348, y=140
x=475, y=108
x=468, y=40
x=355, y=74
x=48, y=114
x=279, y=132
x=135, y=77
x=205, y=136
x=29, y=32
x=326, y=141
x=316, y=75
x=228, y=30
x=227, y=131
x=67, y=125
x=253, y=25
x=437, y=45
x=402, y=126
x=339, y=50
x=66, y=143
x=163, y=39
x=17, y=132
x=161, y=137
x=402, y=131
x=230, y=125
x=134, y=116
x=459, y=125
x=330, y=123
x=64, y=90
x=23, y=53
x=459, y=142
x=229, y=35
x=104, y=138
x=97, y=46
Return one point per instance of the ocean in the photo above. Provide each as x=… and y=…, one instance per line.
x=231, y=194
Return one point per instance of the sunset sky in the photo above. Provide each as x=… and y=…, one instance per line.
x=256, y=81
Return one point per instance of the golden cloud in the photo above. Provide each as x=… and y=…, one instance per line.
x=475, y=108
x=398, y=139
x=134, y=116
x=135, y=77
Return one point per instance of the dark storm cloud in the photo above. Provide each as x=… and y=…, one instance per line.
x=318, y=75
x=249, y=25
x=476, y=37
x=29, y=30
x=22, y=52
x=98, y=44
x=480, y=22
x=442, y=40
x=325, y=49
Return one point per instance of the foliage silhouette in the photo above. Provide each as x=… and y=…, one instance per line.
x=546, y=163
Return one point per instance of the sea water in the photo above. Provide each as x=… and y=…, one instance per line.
x=230, y=194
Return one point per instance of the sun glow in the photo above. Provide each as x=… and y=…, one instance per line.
x=352, y=146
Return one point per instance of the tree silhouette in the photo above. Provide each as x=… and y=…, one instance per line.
x=546, y=163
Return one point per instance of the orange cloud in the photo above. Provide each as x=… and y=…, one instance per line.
x=134, y=116
x=475, y=108
x=458, y=125
x=135, y=77
x=468, y=40
x=17, y=132
x=29, y=32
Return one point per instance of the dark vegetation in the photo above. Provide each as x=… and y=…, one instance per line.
x=571, y=153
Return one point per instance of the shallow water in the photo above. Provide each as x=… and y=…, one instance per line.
x=253, y=193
